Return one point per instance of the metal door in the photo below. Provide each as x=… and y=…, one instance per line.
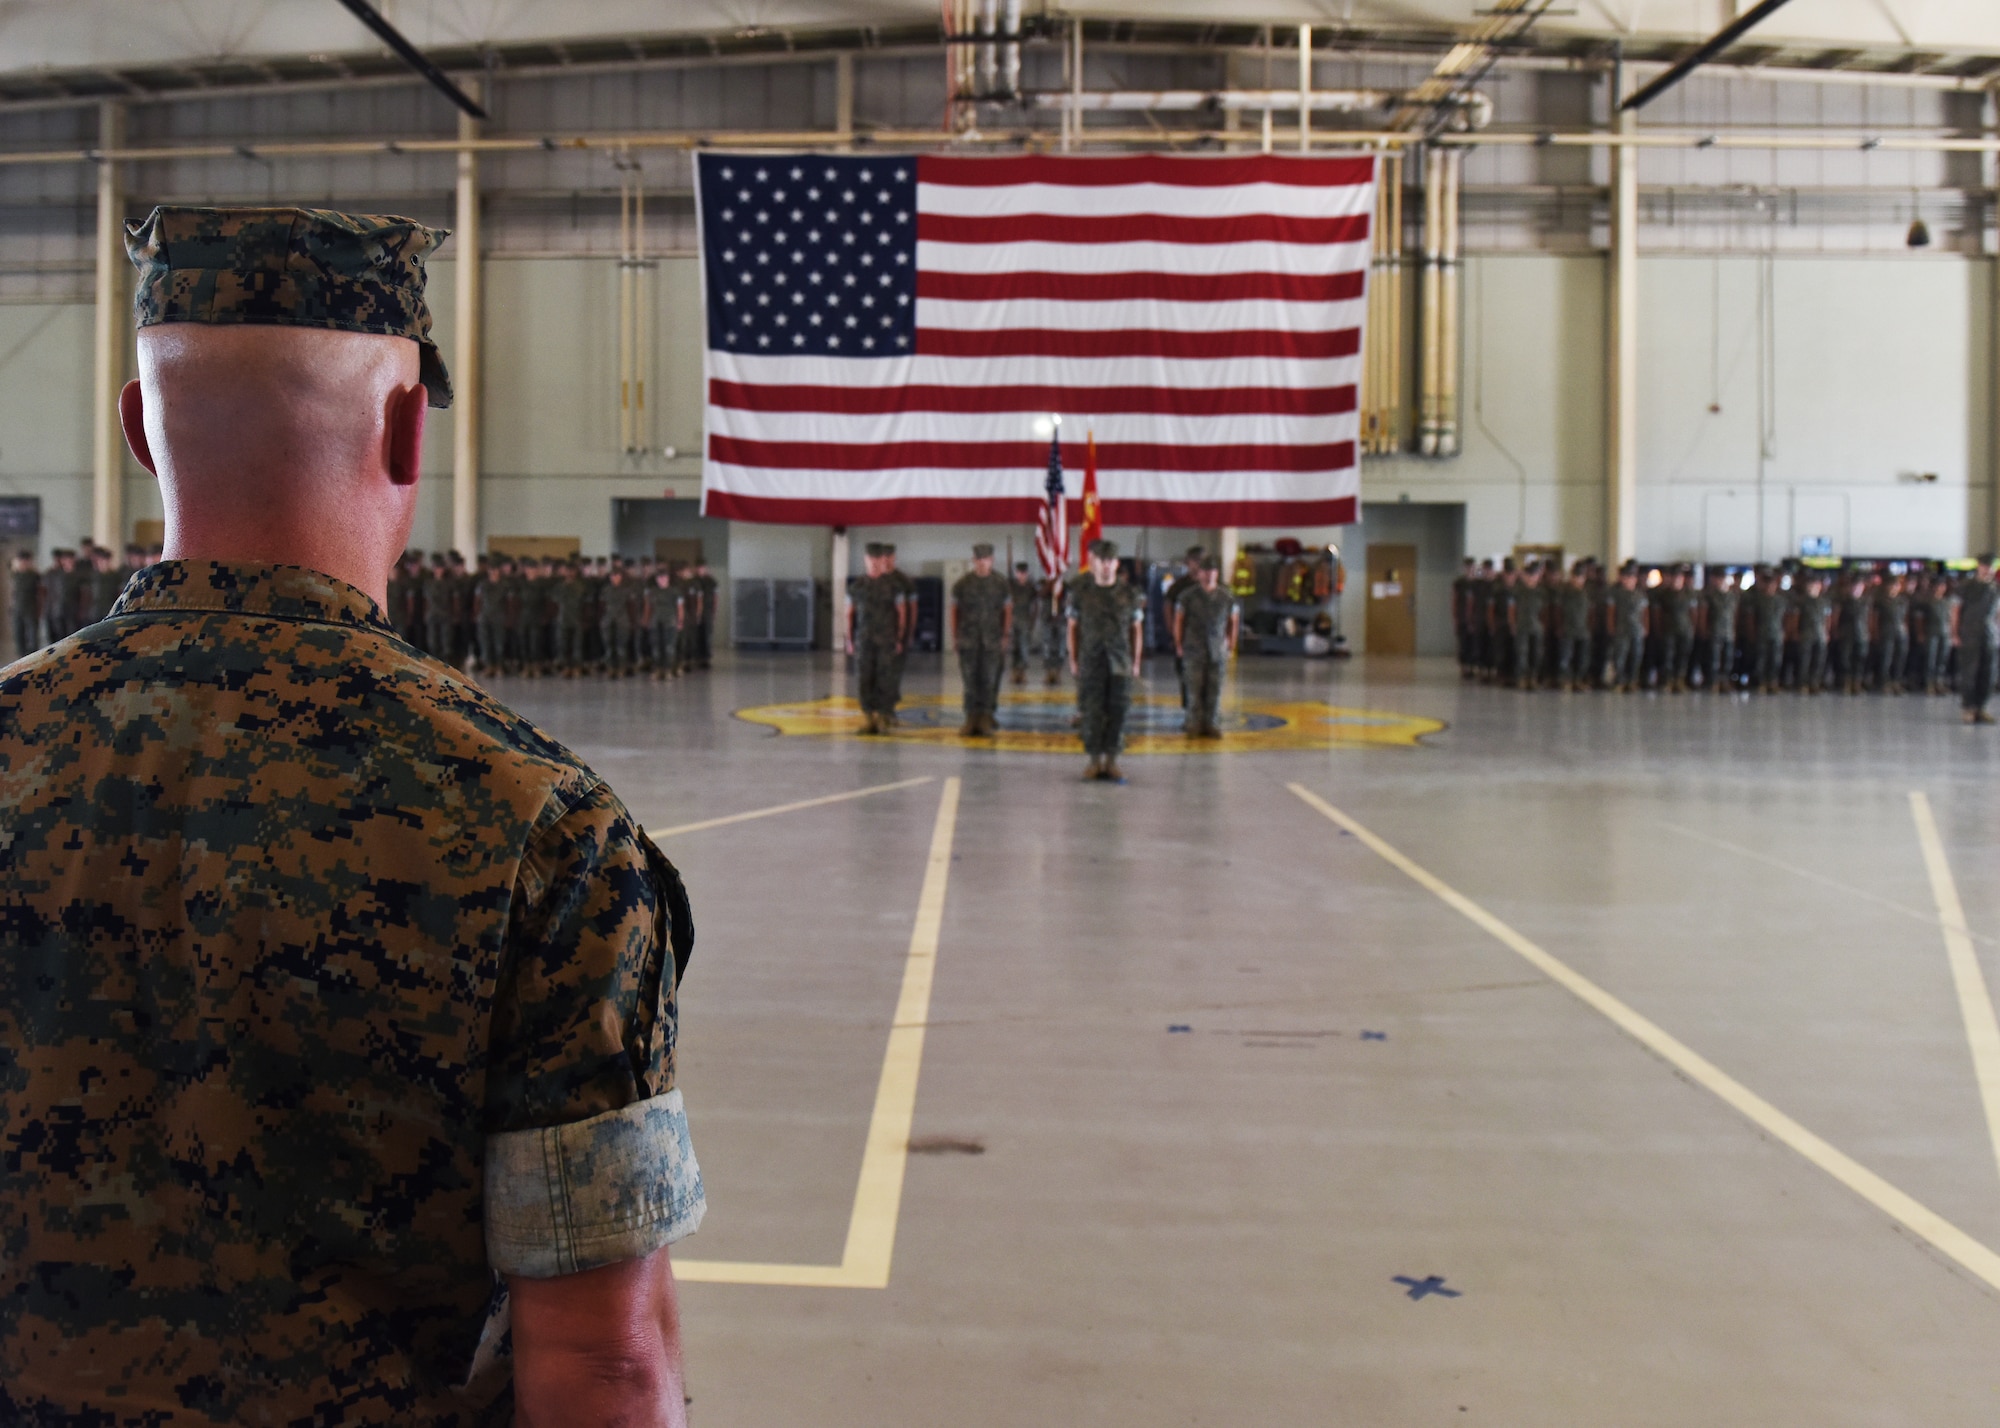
x=1392, y=599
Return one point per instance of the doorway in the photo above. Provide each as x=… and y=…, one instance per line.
x=1392, y=599
x=1436, y=530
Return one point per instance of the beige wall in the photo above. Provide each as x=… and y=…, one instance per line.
x=1866, y=371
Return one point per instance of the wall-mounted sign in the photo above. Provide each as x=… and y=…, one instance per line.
x=20, y=515
x=1816, y=545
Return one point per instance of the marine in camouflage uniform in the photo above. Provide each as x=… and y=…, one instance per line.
x=1024, y=624
x=704, y=629
x=1767, y=613
x=1854, y=635
x=1573, y=632
x=440, y=602
x=981, y=610
x=691, y=614
x=1812, y=611
x=663, y=618
x=489, y=615
x=1531, y=602
x=293, y=1032
x=624, y=609
x=59, y=594
x=1679, y=603
x=1978, y=637
x=1103, y=618
x=906, y=586
x=1626, y=608
x=1892, y=636
x=1719, y=605
x=24, y=604
x=1052, y=629
x=1938, y=608
x=874, y=634
x=1206, y=626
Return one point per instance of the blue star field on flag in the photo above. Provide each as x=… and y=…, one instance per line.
x=810, y=256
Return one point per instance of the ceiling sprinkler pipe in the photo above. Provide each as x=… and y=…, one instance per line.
x=1474, y=110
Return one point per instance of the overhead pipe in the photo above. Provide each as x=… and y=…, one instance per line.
x=1010, y=51
x=989, y=50
x=1437, y=431
x=1475, y=106
x=1382, y=377
x=690, y=140
x=1451, y=322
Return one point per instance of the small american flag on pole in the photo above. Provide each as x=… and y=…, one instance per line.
x=1052, y=527
x=884, y=331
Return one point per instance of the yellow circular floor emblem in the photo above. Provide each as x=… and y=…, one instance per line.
x=1041, y=723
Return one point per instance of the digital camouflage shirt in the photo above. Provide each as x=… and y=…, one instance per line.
x=332, y=991
x=1105, y=615
x=1205, y=635
x=982, y=602
x=878, y=610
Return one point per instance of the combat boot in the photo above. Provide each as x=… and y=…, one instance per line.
x=1020, y=677
x=1113, y=774
x=1053, y=679
x=970, y=728
x=1096, y=769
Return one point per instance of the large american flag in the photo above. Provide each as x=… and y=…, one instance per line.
x=884, y=333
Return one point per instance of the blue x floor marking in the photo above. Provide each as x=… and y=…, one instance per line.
x=1429, y=1284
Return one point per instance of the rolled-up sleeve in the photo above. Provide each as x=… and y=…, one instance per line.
x=588, y=1159
x=615, y=1187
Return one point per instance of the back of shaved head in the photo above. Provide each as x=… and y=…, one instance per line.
x=277, y=443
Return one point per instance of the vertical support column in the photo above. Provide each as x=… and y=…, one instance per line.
x=1621, y=397
x=113, y=324
x=466, y=377
x=843, y=96
x=1305, y=87
x=1228, y=538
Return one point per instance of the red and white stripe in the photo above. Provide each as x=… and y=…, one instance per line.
x=1202, y=315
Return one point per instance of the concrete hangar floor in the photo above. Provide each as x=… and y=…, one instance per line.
x=1584, y=1059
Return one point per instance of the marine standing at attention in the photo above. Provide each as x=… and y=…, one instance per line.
x=1022, y=624
x=1573, y=669
x=1207, y=625
x=1106, y=624
x=1976, y=631
x=1530, y=627
x=874, y=638
x=981, y=612
x=337, y=1090
x=906, y=588
x=1626, y=604
x=24, y=603
x=1718, y=620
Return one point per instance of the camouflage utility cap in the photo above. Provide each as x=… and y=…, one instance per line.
x=289, y=267
x=1104, y=550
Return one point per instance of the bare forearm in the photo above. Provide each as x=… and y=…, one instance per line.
x=602, y=1347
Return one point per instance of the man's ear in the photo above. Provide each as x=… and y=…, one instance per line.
x=407, y=411
x=132, y=417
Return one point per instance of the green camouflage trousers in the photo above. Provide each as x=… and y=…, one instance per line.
x=980, y=666
x=1103, y=699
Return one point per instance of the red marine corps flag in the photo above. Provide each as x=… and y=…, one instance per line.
x=885, y=331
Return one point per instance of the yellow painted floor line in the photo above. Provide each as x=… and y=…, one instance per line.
x=1920, y=1220
x=658, y=833
x=878, y=1196
x=1982, y=1031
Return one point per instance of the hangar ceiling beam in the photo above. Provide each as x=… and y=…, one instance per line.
x=1702, y=53
x=410, y=55
x=110, y=331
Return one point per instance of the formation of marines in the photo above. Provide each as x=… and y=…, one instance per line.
x=76, y=590
x=548, y=617
x=1857, y=629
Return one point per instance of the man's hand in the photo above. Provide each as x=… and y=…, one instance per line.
x=602, y=1347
